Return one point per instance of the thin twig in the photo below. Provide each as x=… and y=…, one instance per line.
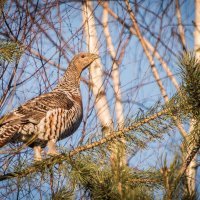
x=180, y=25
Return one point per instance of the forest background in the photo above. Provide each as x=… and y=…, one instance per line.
x=133, y=126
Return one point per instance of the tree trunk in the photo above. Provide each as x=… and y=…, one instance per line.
x=96, y=68
x=116, y=86
x=191, y=170
x=101, y=104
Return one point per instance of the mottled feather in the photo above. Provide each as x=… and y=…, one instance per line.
x=51, y=116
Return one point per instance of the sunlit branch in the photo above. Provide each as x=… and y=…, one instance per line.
x=152, y=64
x=180, y=25
x=40, y=166
x=149, y=46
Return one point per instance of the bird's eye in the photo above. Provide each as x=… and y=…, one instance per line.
x=83, y=56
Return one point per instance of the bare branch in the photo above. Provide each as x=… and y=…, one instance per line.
x=148, y=44
x=180, y=25
x=152, y=64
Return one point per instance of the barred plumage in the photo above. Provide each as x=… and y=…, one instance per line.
x=50, y=117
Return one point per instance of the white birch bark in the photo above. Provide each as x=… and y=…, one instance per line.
x=180, y=25
x=96, y=68
x=116, y=86
x=115, y=71
x=101, y=104
x=191, y=170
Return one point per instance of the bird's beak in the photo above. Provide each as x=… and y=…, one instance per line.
x=95, y=56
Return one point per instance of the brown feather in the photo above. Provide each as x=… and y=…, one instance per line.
x=51, y=116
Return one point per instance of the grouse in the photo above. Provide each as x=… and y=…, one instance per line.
x=49, y=117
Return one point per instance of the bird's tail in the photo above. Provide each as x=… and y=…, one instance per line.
x=7, y=132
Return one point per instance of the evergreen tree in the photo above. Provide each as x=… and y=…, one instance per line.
x=86, y=171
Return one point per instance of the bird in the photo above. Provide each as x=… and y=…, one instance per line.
x=49, y=117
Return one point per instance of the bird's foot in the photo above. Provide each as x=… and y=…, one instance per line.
x=37, y=159
x=49, y=153
x=37, y=152
x=52, y=148
x=52, y=152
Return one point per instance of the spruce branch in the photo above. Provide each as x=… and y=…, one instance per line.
x=187, y=105
x=10, y=51
x=42, y=165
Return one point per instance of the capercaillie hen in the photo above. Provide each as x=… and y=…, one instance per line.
x=50, y=117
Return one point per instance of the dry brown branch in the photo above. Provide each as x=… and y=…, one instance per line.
x=152, y=64
x=148, y=44
x=121, y=56
x=35, y=53
x=180, y=25
x=8, y=85
x=59, y=33
x=146, y=51
x=41, y=29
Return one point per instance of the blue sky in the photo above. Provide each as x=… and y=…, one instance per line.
x=139, y=89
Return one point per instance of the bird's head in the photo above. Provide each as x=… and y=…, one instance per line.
x=83, y=60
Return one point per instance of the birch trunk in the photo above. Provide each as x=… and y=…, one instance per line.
x=180, y=25
x=96, y=69
x=115, y=70
x=191, y=170
x=101, y=103
x=116, y=86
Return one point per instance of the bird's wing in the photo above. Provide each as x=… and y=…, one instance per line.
x=32, y=111
x=35, y=109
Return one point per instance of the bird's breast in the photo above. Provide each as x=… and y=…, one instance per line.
x=60, y=123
